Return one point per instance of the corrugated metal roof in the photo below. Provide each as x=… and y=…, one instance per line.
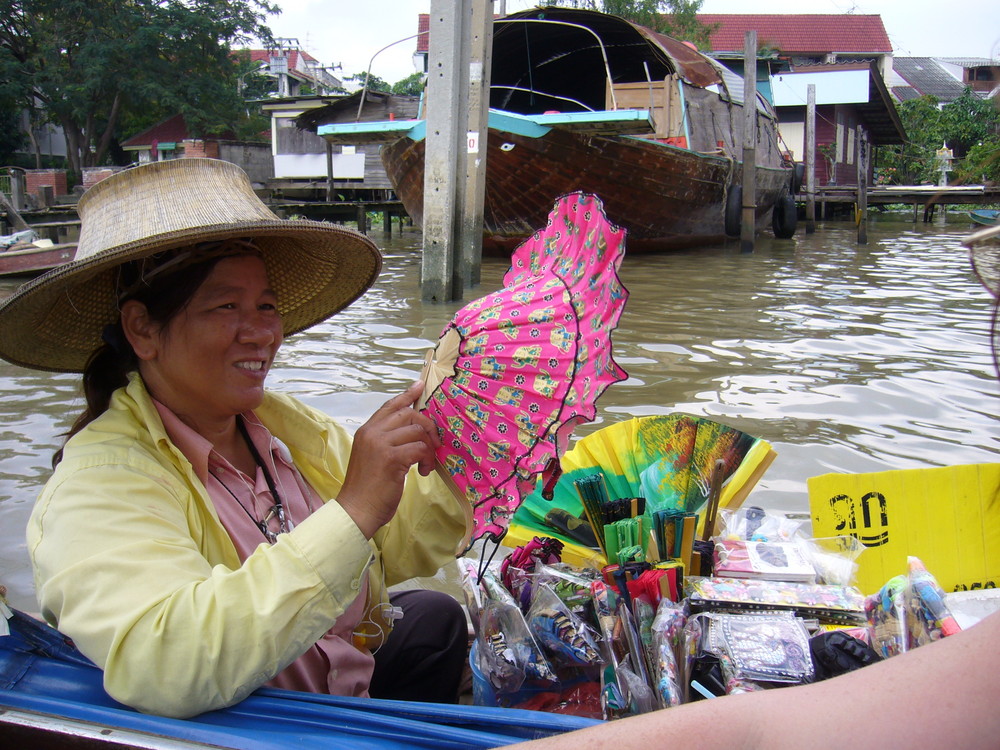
x=970, y=62
x=905, y=93
x=926, y=77
x=800, y=33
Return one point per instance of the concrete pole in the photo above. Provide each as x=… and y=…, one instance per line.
x=862, y=160
x=748, y=225
x=446, y=143
x=479, y=41
x=810, y=158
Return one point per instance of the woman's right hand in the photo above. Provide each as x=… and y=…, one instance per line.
x=395, y=438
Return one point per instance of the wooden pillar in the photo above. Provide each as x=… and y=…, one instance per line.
x=387, y=222
x=749, y=217
x=862, y=161
x=18, y=188
x=329, y=172
x=362, y=215
x=810, y=148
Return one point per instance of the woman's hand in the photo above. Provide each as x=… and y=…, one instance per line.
x=385, y=447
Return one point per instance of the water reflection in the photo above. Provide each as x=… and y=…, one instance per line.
x=845, y=358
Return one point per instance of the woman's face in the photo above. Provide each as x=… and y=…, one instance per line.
x=210, y=361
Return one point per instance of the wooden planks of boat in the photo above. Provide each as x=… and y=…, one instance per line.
x=35, y=259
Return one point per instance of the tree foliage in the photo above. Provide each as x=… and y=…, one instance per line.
x=969, y=126
x=89, y=65
x=374, y=82
x=676, y=18
x=412, y=85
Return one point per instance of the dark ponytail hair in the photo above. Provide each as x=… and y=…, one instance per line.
x=165, y=297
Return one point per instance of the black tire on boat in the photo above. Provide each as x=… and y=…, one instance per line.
x=798, y=173
x=784, y=218
x=734, y=210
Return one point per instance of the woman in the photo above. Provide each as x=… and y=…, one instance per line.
x=200, y=536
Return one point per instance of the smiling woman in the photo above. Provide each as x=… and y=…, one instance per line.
x=198, y=528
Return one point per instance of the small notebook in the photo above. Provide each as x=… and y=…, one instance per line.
x=770, y=561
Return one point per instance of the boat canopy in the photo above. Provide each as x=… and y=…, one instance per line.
x=562, y=58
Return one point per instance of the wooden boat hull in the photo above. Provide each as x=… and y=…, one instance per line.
x=665, y=197
x=36, y=260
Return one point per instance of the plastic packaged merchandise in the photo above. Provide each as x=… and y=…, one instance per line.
x=602, y=644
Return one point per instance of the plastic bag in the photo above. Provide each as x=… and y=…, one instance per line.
x=886, y=613
x=763, y=648
x=566, y=638
x=755, y=524
x=508, y=653
x=835, y=559
x=928, y=617
x=668, y=632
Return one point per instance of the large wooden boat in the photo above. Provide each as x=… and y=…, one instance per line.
x=581, y=100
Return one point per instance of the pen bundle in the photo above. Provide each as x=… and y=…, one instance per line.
x=673, y=534
x=627, y=533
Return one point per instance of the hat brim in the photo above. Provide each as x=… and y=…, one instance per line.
x=54, y=322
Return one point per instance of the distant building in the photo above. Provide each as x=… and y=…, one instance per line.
x=297, y=73
x=980, y=74
x=802, y=39
x=846, y=57
x=171, y=139
x=304, y=162
x=914, y=77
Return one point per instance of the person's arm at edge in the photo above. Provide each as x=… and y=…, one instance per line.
x=940, y=695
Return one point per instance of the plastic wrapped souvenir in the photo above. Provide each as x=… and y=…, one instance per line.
x=566, y=638
x=762, y=649
x=668, y=631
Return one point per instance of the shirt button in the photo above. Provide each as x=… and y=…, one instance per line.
x=355, y=584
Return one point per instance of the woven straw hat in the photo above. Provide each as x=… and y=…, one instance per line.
x=54, y=322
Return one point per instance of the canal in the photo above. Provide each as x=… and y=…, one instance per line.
x=845, y=358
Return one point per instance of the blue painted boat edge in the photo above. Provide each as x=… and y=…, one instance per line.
x=43, y=675
x=386, y=127
x=527, y=126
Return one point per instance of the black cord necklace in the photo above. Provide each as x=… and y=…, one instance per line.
x=275, y=511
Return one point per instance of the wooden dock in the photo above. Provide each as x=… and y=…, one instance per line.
x=344, y=211
x=61, y=224
x=926, y=197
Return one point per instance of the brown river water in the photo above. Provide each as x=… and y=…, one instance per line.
x=845, y=358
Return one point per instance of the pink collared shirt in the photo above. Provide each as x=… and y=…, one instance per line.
x=333, y=665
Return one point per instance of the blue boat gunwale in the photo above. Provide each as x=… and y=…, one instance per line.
x=42, y=673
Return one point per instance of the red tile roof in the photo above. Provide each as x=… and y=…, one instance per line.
x=263, y=55
x=803, y=33
x=423, y=25
x=171, y=130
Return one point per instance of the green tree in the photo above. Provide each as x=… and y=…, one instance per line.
x=914, y=162
x=969, y=125
x=374, y=82
x=89, y=64
x=969, y=120
x=676, y=18
x=412, y=85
